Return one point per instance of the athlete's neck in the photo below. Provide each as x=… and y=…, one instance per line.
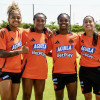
x=89, y=33
x=63, y=32
x=13, y=28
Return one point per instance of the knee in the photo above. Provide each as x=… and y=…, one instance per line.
x=26, y=96
x=7, y=97
x=89, y=97
x=72, y=98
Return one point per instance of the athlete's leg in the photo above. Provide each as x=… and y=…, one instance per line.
x=59, y=94
x=14, y=90
x=97, y=97
x=27, y=88
x=72, y=90
x=39, y=86
x=88, y=96
x=5, y=89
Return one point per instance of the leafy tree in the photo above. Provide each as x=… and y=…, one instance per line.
x=3, y=24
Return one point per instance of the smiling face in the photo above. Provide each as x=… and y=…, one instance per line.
x=89, y=24
x=14, y=19
x=63, y=22
x=39, y=22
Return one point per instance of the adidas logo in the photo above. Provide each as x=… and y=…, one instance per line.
x=12, y=39
x=82, y=41
x=57, y=42
x=32, y=40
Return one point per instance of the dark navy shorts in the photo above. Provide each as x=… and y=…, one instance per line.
x=60, y=80
x=90, y=78
x=15, y=77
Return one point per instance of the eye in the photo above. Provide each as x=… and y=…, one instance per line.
x=60, y=20
x=66, y=20
x=18, y=17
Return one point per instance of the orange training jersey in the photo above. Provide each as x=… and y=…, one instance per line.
x=10, y=41
x=63, y=53
x=90, y=55
x=35, y=62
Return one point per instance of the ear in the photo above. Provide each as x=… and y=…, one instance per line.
x=8, y=19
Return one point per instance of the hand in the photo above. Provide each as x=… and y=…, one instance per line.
x=25, y=49
x=49, y=32
x=54, y=31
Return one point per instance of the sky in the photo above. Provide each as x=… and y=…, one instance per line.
x=52, y=8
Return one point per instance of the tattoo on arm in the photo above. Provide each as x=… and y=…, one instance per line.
x=6, y=54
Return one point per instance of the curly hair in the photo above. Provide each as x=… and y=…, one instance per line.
x=12, y=8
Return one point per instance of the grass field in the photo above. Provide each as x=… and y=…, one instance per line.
x=49, y=93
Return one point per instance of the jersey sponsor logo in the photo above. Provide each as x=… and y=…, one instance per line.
x=32, y=40
x=17, y=45
x=5, y=77
x=87, y=55
x=64, y=48
x=57, y=42
x=87, y=49
x=65, y=55
x=39, y=46
x=38, y=53
x=12, y=39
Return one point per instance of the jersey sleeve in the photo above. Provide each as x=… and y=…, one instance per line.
x=24, y=33
x=49, y=45
x=78, y=46
x=3, y=39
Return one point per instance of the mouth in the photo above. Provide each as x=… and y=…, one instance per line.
x=16, y=23
x=88, y=26
x=63, y=25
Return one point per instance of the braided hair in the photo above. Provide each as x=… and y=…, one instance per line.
x=63, y=14
x=39, y=14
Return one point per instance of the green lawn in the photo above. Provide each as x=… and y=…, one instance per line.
x=49, y=93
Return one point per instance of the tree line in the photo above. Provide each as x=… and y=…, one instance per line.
x=74, y=28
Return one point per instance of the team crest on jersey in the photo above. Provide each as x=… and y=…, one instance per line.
x=82, y=41
x=32, y=40
x=71, y=41
x=57, y=42
x=64, y=48
x=39, y=46
x=87, y=49
x=17, y=45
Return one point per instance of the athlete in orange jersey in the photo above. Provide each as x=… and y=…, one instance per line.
x=64, y=59
x=35, y=63
x=10, y=58
x=89, y=48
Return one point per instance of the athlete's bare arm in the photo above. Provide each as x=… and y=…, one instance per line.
x=6, y=54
